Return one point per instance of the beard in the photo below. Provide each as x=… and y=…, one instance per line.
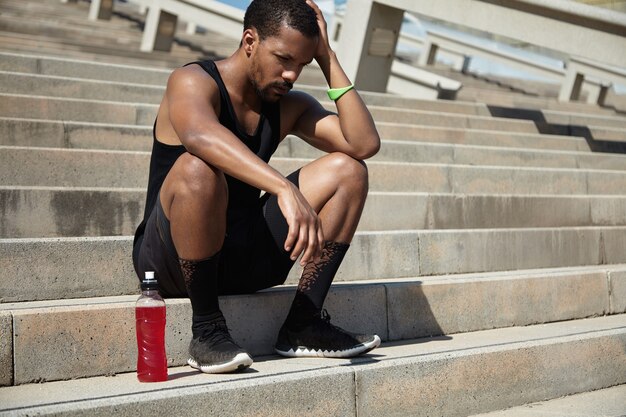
x=266, y=92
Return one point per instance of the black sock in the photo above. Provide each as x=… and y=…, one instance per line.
x=200, y=323
x=315, y=283
x=201, y=283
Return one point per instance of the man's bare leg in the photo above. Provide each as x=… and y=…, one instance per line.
x=336, y=187
x=194, y=197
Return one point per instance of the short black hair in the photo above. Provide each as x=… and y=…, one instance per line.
x=267, y=17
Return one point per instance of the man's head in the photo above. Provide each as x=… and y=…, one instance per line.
x=268, y=16
x=280, y=37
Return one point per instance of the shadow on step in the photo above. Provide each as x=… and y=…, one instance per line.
x=546, y=128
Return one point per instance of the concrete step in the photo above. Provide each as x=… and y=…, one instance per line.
x=506, y=119
x=582, y=138
x=86, y=135
x=608, y=402
x=396, y=309
x=32, y=212
x=42, y=65
x=493, y=98
x=407, y=378
x=53, y=167
x=45, y=65
x=34, y=44
x=62, y=25
x=103, y=111
x=20, y=132
x=558, y=118
x=67, y=266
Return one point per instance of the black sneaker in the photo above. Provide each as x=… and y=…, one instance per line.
x=215, y=352
x=320, y=339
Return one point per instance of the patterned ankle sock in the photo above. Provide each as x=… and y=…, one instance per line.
x=201, y=283
x=315, y=283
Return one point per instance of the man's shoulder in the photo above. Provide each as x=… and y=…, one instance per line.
x=192, y=78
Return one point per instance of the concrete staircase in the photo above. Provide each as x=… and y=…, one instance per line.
x=490, y=257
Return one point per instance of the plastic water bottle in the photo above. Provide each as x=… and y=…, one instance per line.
x=150, y=319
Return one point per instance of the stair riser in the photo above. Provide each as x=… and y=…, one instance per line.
x=45, y=167
x=6, y=349
x=511, y=119
x=99, y=339
x=486, y=382
x=143, y=75
x=58, y=135
x=116, y=112
x=35, y=213
x=480, y=137
x=82, y=69
x=48, y=133
x=67, y=267
x=81, y=111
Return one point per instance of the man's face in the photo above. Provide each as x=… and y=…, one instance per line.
x=277, y=61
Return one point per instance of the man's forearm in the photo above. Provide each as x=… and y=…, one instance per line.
x=355, y=119
x=231, y=156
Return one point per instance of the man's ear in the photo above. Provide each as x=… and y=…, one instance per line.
x=249, y=40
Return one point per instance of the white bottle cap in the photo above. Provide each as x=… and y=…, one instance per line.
x=149, y=282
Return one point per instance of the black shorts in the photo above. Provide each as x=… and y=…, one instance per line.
x=260, y=263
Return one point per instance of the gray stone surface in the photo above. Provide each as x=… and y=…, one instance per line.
x=450, y=252
x=97, y=328
x=427, y=376
x=479, y=137
x=433, y=307
x=59, y=134
x=502, y=180
x=278, y=388
x=92, y=266
x=15, y=132
x=6, y=348
x=456, y=383
x=48, y=133
x=387, y=114
x=65, y=268
x=94, y=338
x=46, y=85
x=69, y=167
x=58, y=167
x=73, y=109
x=73, y=342
x=69, y=212
x=609, y=402
x=69, y=266
x=46, y=211
x=617, y=282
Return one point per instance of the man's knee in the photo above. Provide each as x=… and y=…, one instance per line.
x=349, y=171
x=192, y=177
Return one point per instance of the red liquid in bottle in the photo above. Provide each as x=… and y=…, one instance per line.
x=151, y=358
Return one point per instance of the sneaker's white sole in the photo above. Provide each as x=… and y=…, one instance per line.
x=302, y=352
x=239, y=362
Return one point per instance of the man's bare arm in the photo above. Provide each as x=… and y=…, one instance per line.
x=351, y=130
x=192, y=98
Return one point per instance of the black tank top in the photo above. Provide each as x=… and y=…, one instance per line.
x=243, y=199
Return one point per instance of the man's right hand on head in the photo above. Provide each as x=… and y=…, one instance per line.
x=305, y=228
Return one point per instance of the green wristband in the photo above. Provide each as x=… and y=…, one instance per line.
x=335, y=93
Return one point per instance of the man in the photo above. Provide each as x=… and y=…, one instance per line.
x=206, y=230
